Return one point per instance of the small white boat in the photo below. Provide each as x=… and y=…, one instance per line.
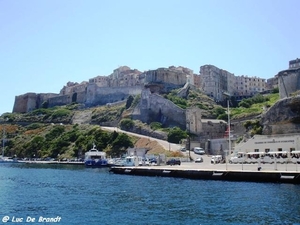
x=134, y=160
x=95, y=158
x=6, y=159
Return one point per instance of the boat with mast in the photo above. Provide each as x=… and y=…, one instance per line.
x=4, y=159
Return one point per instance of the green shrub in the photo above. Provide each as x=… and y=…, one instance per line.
x=41, y=111
x=275, y=90
x=175, y=135
x=34, y=126
x=60, y=113
x=218, y=111
x=126, y=124
x=253, y=126
x=180, y=102
x=55, y=132
x=136, y=100
x=155, y=125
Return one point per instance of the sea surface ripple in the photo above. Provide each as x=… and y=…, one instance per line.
x=80, y=195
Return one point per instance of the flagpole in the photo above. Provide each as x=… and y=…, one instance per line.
x=229, y=141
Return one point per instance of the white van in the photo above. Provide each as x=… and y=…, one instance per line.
x=216, y=159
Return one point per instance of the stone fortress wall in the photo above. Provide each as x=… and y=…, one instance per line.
x=154, y=107
x=288, y=82
x=101, y=96
x=101, y=90
x=30, y=101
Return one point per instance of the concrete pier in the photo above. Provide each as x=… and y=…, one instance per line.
x=253, y=176
x=215, y=172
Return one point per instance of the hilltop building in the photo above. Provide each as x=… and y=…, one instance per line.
x=221, y=84
x=294, y=64
x=289, y=79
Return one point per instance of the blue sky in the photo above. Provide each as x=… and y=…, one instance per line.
x=46, y=43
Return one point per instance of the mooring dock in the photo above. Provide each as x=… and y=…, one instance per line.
x=211, y=174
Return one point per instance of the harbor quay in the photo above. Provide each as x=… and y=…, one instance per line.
x=277, y=173
x=229, y=174
x=258, y=172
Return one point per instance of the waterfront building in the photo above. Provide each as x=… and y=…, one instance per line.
x=270, y=143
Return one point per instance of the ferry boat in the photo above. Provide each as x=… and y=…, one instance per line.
x=94, y=158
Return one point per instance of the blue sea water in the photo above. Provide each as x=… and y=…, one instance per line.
x=35, y=194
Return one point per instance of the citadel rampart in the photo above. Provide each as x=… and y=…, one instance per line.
x=288, y=82
x=101, y=96
x=153, y=107
x=30, y=101
x=120, y=84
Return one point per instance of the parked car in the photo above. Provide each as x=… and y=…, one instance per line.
x=199, y=160
x=173, y=162
x=183, y=149
x=199, y=151
x=153, y=161
x=234, y=159
x=216, y=159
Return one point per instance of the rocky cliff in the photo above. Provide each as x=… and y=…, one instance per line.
x=283, y=117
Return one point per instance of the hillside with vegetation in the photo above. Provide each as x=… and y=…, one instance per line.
x=69, y=131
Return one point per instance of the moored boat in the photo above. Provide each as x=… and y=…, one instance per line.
x=95, y=158
x=8, y=160
x=4, y=159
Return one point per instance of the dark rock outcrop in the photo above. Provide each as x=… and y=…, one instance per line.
x=283, y=117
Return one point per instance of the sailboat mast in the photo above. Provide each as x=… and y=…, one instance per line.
x=3, y=142
x=229, y=142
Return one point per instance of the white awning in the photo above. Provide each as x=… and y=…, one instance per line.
x=255, y=153
x=295, y=152
x=278, y=152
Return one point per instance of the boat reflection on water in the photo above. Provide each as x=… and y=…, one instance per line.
x=94, y=158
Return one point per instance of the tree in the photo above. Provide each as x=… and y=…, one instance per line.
x=129, y=101
x=55, y=132
x=120, y=144
x=175, y=135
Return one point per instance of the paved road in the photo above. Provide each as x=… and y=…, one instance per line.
x=165, y=144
